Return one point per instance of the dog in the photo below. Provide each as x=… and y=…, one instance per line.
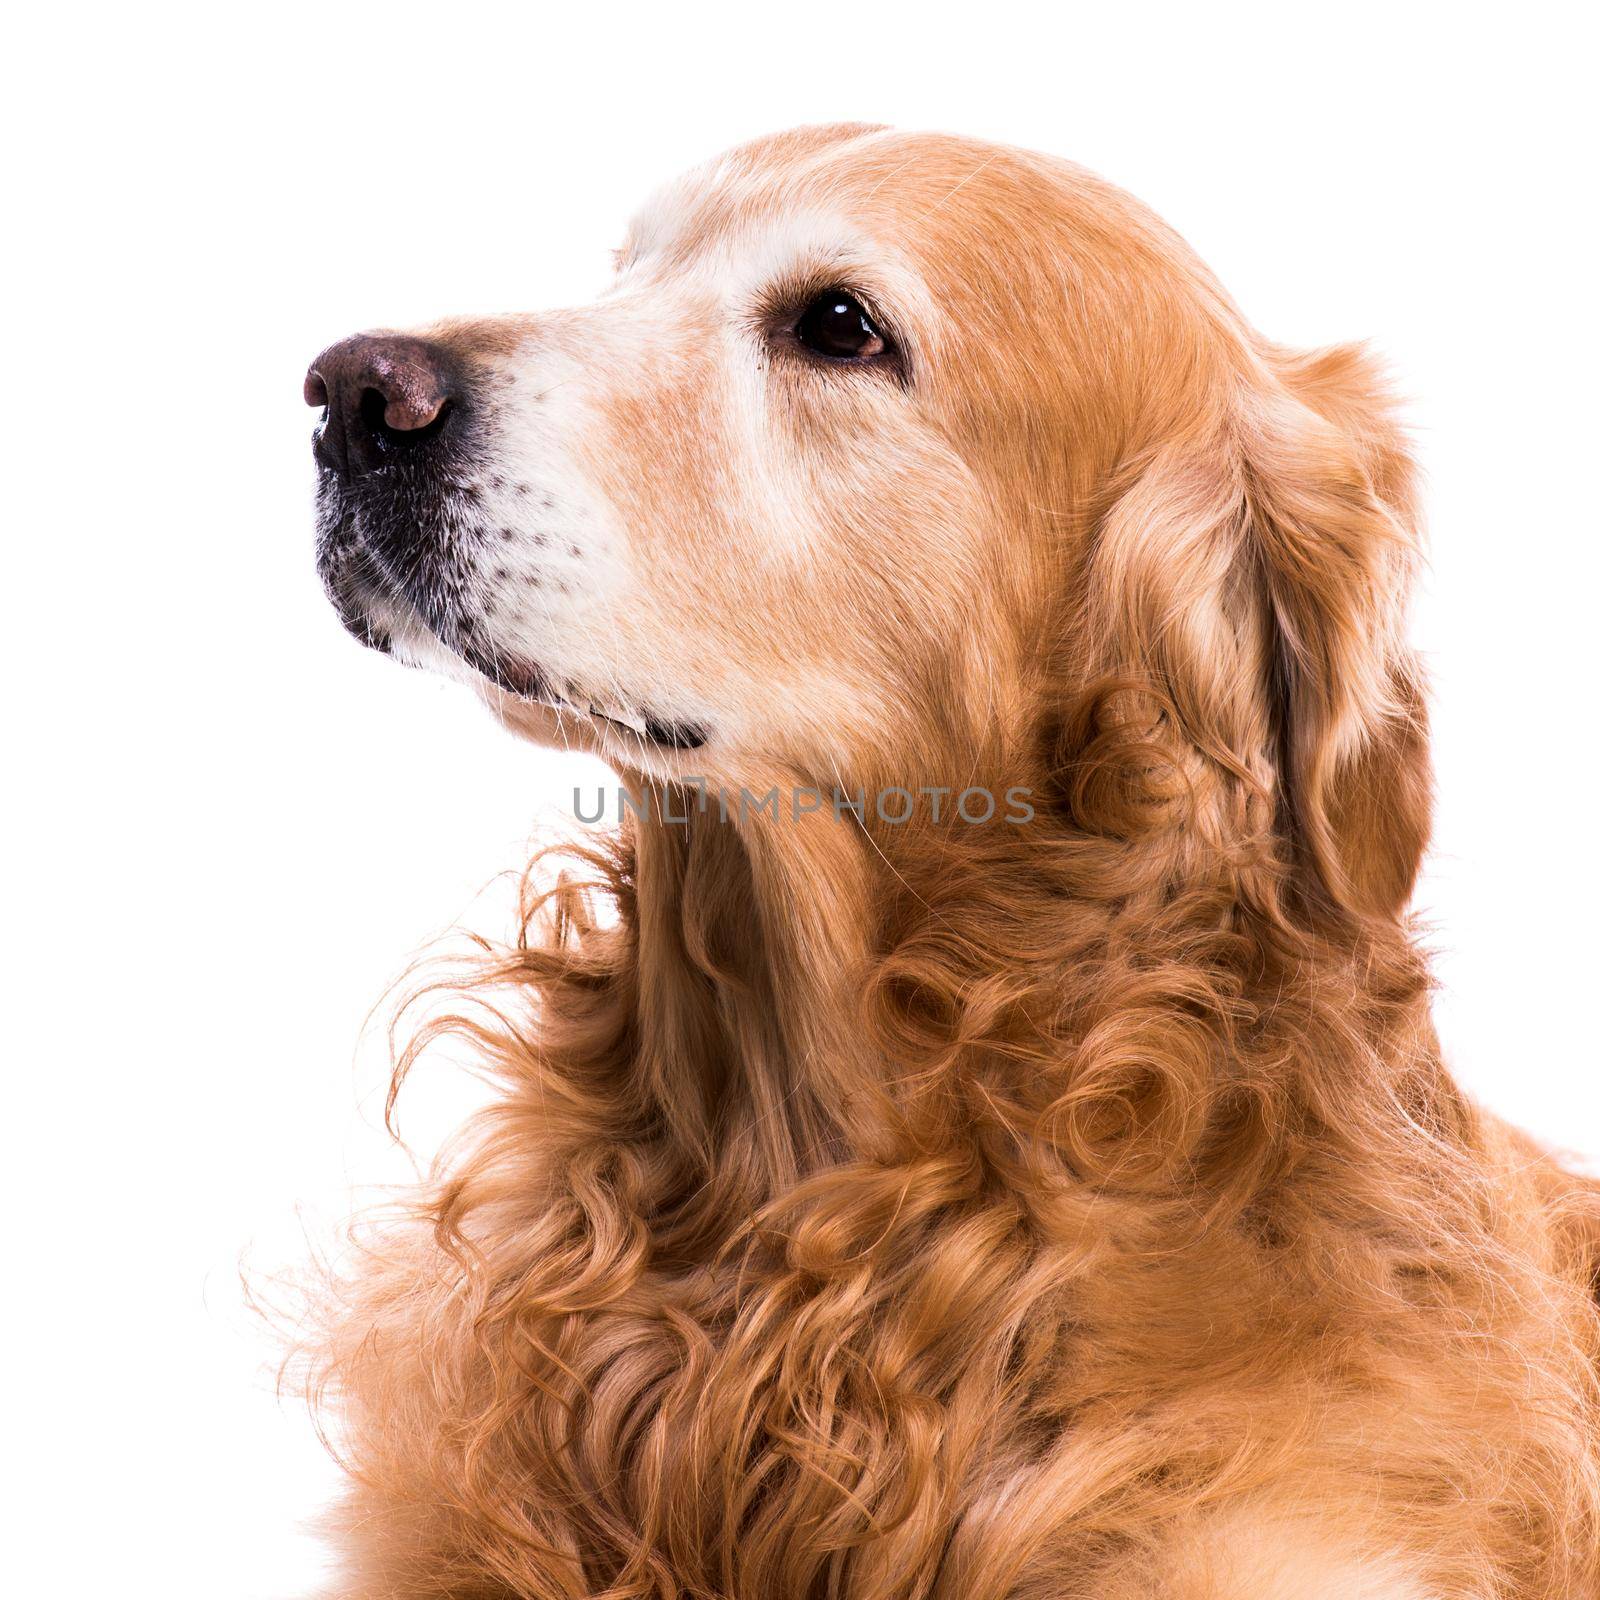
x=1024, y=1167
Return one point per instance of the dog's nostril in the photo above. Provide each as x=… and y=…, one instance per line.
x=371, y=409
x=376, y=414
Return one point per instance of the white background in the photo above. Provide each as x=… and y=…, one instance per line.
x=230, y=827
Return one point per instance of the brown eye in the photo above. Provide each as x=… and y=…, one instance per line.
x=834, y=325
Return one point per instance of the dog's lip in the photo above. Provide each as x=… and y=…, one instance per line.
x=672, y=735
x=515, y=677
x=529, y=682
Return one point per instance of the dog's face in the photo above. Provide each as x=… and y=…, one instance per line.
x=876, y=442
x=768, y=496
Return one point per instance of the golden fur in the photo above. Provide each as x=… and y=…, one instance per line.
x=1070, y=1211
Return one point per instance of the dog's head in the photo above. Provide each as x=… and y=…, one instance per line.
x=881, y=451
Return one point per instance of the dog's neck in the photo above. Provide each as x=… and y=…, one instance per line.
x=810, y=992
x=752, y=946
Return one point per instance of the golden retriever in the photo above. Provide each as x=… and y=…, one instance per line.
x=974, y=1130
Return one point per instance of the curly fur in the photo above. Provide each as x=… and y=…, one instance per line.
x=1079, y=1210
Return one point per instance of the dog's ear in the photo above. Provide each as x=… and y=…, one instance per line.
x=1258, y=572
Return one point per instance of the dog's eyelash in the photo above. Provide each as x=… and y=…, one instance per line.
x=780, y=310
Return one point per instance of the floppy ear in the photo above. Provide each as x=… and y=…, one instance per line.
x=1258, y=571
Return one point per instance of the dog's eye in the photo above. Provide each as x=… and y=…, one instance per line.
x=836, y=326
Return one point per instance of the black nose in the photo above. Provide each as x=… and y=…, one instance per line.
x=386, y=394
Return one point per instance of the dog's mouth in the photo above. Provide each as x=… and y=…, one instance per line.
x=530, y=683
x=416, y=611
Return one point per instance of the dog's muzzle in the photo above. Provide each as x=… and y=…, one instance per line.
x=400, y=518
